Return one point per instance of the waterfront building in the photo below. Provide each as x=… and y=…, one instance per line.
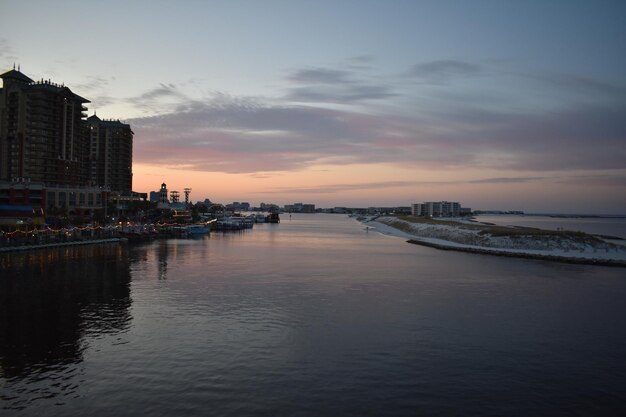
x=42, y=131
x=436, y=209
x=21, y=203
x=46, y=141
x=82, y=201
x=269, y=207
x=237, y=206
x=26, y=193
x=110, y=154
x=300, y=208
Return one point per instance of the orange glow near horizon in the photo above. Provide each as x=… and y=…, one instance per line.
x=368, y=185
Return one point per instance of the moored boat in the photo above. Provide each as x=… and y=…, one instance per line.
x=198, y=229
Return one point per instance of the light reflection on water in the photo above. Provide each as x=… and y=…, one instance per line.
x=313, y=316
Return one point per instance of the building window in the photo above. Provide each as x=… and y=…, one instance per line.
x=51, y=199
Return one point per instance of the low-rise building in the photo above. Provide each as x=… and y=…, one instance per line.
x=44, y=199
x=78, y=201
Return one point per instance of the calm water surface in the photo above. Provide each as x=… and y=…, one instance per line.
x=311, y=317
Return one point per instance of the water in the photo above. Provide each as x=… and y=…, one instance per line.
x=607, y=226
x=310, y=317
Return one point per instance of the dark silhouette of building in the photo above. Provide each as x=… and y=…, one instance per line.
x=43, y=136
x=46, y=138
x=110, y=154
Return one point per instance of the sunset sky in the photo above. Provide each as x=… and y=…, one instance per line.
x=497, y=104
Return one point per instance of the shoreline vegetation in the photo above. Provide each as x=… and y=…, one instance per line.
x=513, y=241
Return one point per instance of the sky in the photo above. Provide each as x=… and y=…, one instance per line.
x=503, y=105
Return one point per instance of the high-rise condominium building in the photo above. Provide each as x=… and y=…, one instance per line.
x=46, y=138
x=43, y=135
x=110, y=154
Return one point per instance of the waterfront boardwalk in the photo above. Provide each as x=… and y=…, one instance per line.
x=61, y=244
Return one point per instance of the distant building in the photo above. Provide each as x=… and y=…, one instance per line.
x=300, y=208
x=436, y=209
x=269, y=207
x=237, y=206
x=386, y=210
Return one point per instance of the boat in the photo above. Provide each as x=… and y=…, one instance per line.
x=272, y=218
x=232, y=223
x=132, y=232
x=198, y=229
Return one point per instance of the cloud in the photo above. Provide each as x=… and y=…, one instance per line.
x=164, y=90
x=162, y=99
x=338, y=188
x=243, y=136
x=233, y=134
x=361, y=62
x=584, y=86
x=441, y=71
x=102, y=101
x=321, y=75
x=600, y=180
x=7, y=53
x=93, y=83
x=340, y=95
x=335, y=86
x=506, y=180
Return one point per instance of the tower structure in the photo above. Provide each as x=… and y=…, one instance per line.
x=163, y=194
x=187, y=192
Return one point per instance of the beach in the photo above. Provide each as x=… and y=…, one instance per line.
x=611, y=252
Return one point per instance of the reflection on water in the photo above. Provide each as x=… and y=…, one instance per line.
x=312, y=316
x=49, y=301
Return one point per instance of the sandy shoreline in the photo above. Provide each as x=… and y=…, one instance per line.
x=591, y=256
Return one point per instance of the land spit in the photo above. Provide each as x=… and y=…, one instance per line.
x=521, y=242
